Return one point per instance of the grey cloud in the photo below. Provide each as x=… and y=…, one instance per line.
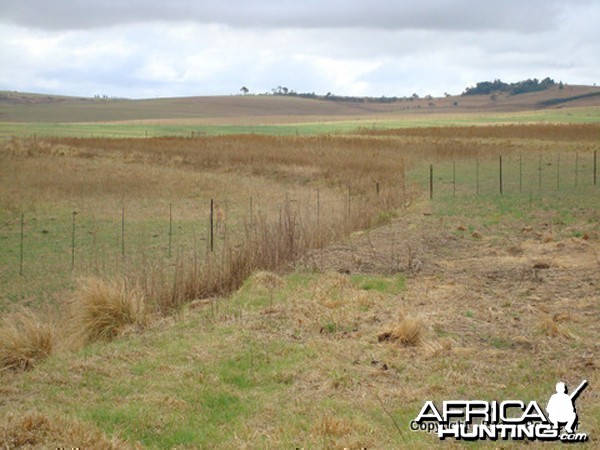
x=518, y=15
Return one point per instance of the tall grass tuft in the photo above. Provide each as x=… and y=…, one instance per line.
x=24, y=340
x=102, y=309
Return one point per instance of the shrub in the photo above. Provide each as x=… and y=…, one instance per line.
x=24, y=340
x=102, y=309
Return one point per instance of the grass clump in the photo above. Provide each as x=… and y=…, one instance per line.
x=24, y=340
x=408, y=332
x=103, y=309
x=37, y=430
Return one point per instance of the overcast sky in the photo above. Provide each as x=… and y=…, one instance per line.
x=158, y=48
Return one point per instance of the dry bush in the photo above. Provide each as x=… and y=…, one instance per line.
x=408, y=332
x=24, y=340
x=264, y=246
x=102, y=309
x=39, y=431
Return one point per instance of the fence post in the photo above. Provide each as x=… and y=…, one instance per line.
x=540, y=174
x=453, y=178
x=576, y=167
x=170, y=227
x=403, y=181
x=212, y=230
x=349, y=200
x=73, y=242
x=500, y=168
x=251, y=212
x=377, y=188
x=318, y=211
x=595, y=167
x=520, y=173
x=21, y=257
x=123, y=234
x=430, y=181
x=558, y=171
x=477, y=174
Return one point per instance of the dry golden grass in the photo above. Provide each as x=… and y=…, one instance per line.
x=266, y=279
x=330, y=426
x=546, y=132
x=408, y=332
x=549, y=325
x=36, y=430
x=24, y=340
x=102, y=309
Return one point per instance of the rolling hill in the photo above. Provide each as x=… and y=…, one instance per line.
x=25, y=107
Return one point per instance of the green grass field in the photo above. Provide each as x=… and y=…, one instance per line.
x=339, y=125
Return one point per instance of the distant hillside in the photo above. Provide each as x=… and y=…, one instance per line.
x=253, y=109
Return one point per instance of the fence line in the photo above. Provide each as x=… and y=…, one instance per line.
x=512, y=173
x=516, y=174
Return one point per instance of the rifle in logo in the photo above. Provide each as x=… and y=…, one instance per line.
x=561, y=406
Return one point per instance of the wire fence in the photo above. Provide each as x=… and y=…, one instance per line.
x=540, y=174
x=41, y=253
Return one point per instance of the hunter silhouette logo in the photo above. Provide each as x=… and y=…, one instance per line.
x=561, y=407
x=472, y=420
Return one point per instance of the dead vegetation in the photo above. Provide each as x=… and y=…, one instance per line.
x=34, y=430
x=101, y=309
x=25, y=340
x=408, y=331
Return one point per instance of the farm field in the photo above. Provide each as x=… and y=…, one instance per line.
x=274, y=126
x=26, y=115
x=339, y=295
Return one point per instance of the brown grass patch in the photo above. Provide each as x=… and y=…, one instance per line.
x=267, y=280
x=24, y=340
x=550, y=326
x=408, y=332
x=39, y=431
x=102, y=309
x=330, y=426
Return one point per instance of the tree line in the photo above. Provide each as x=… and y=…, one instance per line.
x=520, y=87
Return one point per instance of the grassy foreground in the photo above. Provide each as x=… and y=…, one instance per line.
x=474, y=295
x=330, y=360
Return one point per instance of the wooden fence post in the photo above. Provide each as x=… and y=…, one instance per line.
x=123, y=234
x=595, y=166
x=558, y=171
x=540, y=174
x=212, y=229
x=477, y=174
x=430, y=181
x=170, y=227
x=520, y=173
x=500, y=178
x=576, y=167
x=453, y=178
x=73, y=242
x=22, y=233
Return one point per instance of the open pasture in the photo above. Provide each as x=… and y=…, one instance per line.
x=292, y=125
x=358, y=296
